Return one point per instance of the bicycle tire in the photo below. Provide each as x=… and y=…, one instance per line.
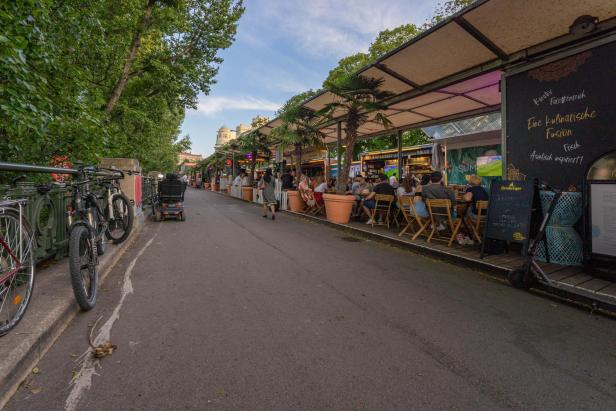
x=10, y=323
x=127, y=222
x=82, y=245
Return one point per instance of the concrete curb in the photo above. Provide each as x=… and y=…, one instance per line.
x=52, y=308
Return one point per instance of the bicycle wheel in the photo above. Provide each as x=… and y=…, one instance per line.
x=82, y=262
x=16, y=268
x=120, y=223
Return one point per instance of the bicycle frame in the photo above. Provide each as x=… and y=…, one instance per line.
x=5, y=246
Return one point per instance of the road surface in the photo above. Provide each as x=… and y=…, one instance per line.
x=232, y=311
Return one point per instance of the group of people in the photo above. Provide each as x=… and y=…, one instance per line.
x=429, y=186
x=365, y=190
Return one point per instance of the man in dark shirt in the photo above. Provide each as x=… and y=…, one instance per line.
x=381, y=187
x=436, y=190
x=287, y=180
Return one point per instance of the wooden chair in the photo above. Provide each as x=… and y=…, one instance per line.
x=308, y=200
x=382, y=206
x=477, y=224
x=440, y=213
x=407, y=208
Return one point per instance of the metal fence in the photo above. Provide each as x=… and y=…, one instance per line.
x=47, y=204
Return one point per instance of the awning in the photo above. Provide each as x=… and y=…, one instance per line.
x=453, y=70
x=488, y=138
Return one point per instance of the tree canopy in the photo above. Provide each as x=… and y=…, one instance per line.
x=110, y=78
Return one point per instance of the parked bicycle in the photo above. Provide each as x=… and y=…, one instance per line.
x=89, y=223
x=16, y=263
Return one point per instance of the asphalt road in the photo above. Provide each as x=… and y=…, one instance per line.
x=231, y=311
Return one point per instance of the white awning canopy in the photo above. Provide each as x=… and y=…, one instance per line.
x=454, y=69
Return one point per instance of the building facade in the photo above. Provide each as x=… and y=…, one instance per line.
x=225, y=134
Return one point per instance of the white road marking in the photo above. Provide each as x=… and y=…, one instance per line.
x=83, y=379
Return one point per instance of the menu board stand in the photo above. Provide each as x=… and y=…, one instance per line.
x=509, y=212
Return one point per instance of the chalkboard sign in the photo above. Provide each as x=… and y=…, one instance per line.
x=509, y=211
x=560, y=117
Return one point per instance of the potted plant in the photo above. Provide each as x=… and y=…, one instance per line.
x=360, y=97
x=298, y=129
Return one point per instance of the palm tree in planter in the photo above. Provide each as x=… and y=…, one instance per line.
x=299, y=127
x=361, y=101
x=253, y=142
x=215, y=163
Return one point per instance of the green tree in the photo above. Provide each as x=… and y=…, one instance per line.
x=254, y=142
x=361, y=99
x=61, y=64
x=299, y=127
x=446, y=9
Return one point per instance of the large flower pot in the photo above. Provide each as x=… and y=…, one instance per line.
x=247, y=193
x=215, y=187
x=206, y=186
x=338, y=207
x=296, y=202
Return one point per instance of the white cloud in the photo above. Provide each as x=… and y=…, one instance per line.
x=209, y=105
x=336, y=27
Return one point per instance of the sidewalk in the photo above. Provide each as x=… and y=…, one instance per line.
x=51, y=309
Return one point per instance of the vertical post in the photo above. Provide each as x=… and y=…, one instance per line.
x=233, y=164
x=503, y=91
x=328, y=172
x=339, y=156
x=399, y=155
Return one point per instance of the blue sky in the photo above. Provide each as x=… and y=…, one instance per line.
x=284, y=47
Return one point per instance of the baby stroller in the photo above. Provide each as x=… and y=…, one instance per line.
x=170, y=199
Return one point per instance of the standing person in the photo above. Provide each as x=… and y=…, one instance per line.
x=269, y=194
x=287, y=180
x=393, y=181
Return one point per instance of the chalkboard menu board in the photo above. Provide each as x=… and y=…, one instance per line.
x=560, y=117
x=509, y=210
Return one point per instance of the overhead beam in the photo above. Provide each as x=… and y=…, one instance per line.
x=480, y=37
x=397, y=75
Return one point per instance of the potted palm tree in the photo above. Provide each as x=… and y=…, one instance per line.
x=253, y=143
x=299, y=130
x=361, y=96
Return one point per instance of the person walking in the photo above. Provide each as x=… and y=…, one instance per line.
x=269, y=194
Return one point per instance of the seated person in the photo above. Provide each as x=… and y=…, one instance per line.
x=436, y=190
x=241, y=179
x=382, y=186
x=319, y=190
x=407, y=188
x=473, y=194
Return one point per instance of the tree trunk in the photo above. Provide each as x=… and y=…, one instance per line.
x=118, y=88
x=343, y=172
x=298, y=167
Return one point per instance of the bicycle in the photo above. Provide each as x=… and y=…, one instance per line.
x=16, y=263
x=88, y=223
x=118, y=211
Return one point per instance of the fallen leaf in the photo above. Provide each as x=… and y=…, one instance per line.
x=36, y=370
x=35, y=390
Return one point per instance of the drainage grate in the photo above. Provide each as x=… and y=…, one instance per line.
x=351, y=239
